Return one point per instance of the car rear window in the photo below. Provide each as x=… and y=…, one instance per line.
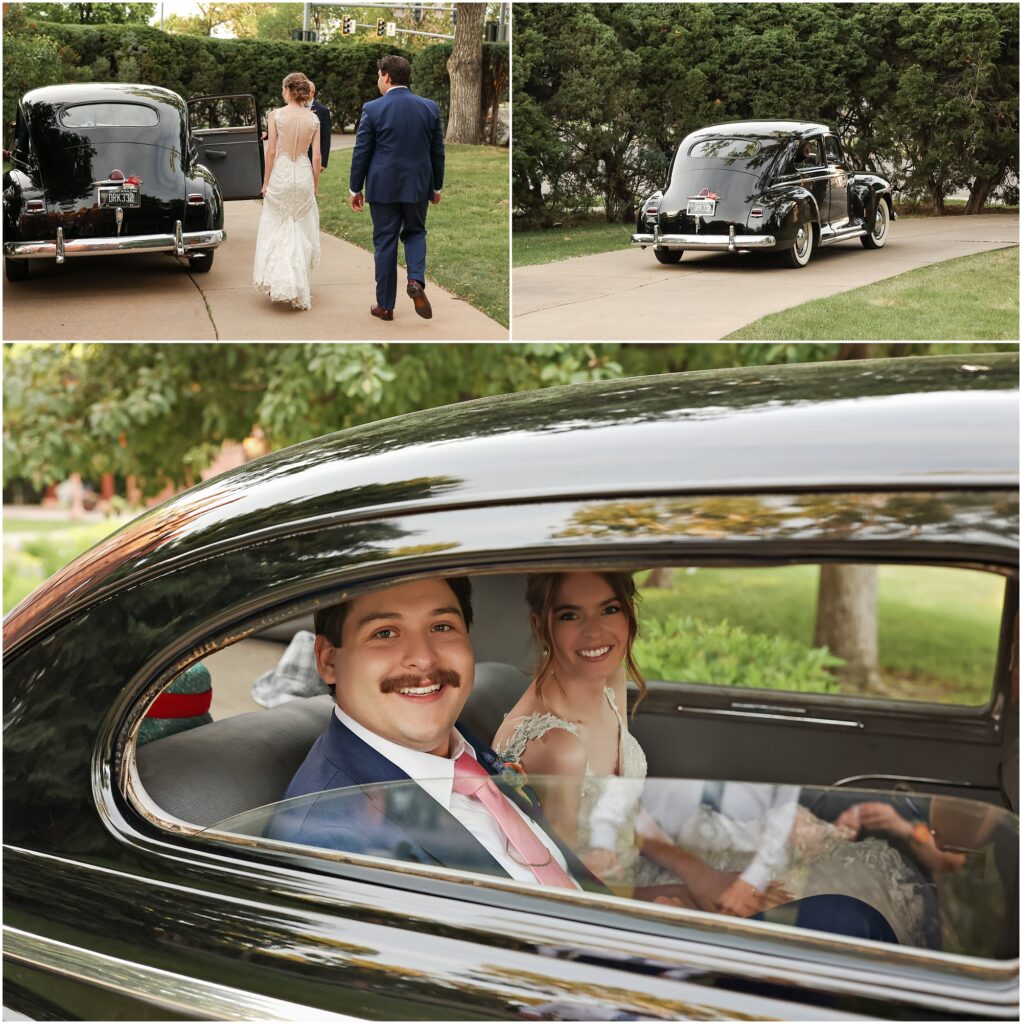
x=109, y=115
x=725, y=149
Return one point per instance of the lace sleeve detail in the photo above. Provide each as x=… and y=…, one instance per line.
x=531, y=728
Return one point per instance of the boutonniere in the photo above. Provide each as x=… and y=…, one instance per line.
x=513, y=775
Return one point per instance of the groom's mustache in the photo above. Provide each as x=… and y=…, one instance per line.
x=443, y=676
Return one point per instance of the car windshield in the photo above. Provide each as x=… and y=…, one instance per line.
x=109, y=115
x=930, y=872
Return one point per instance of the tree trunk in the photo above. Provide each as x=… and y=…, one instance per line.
x=465, y=66
x=846, y=622
x=979, y=193
x=661, y=577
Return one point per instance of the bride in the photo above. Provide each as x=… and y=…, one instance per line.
x=287, y=246
x=569, y=725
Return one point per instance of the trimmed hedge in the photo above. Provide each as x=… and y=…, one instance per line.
x=344, y=71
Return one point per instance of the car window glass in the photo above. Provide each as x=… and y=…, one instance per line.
x=109, y=115
x=893, y=632
x=222, y=112
x=833, y=150
x=808, y=153
x=940, y=871
x=727, y=150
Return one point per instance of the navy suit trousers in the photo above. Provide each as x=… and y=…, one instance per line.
x=393, y=222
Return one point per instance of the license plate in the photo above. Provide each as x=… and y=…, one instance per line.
x=702, y=207
x=119, y=197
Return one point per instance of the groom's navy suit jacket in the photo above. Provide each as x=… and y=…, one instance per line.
x=398, y=822
x=399, y=149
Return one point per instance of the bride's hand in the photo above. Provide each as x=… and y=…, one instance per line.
x=601, y=862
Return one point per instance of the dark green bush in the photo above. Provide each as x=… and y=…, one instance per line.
x=688, y=650
x=344, y=71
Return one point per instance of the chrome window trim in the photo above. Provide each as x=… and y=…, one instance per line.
x=164, y=989
x=201, y=133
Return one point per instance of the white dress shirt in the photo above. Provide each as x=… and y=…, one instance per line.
x=435, y=775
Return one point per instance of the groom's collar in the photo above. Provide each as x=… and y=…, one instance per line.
x=393, y=87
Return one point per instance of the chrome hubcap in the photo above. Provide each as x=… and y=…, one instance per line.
x=801, y=242
x=880, y=222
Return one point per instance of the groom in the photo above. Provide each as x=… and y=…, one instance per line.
x=399, y=160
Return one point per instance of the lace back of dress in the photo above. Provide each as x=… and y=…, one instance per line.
x=295, y=130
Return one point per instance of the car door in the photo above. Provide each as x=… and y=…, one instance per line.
x=838, y=167
x=815, y=176
x=228, y=140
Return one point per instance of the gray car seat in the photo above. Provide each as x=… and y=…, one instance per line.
x=216, y=771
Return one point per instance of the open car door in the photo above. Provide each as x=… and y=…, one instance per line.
x=228, y=137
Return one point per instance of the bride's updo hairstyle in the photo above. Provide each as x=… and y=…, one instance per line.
x=298, y=86
x=541, y=594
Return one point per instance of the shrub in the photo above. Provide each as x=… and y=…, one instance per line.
x=344, y=71
x=689, y=650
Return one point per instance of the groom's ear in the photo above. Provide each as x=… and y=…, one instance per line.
x=326, y=655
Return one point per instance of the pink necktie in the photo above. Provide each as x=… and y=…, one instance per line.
x=472, y=779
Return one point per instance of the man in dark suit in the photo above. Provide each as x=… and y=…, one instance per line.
x=399, y=160
x=324, y=128
x=402, y=668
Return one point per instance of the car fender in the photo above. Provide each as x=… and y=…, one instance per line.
x=640, y=217
x=20, y=226
x=864, y=192
x=791, y=206
x=204, y=181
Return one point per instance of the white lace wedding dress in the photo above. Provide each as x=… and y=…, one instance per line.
x=287, y=245
x=805, y=855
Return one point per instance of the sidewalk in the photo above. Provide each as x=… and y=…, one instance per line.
x=154, y=298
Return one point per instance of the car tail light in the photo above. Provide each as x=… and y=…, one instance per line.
x=652, y=210
x=196, y=199
x=757, y=211
x=35, y=206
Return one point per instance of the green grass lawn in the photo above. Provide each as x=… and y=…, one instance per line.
x=468, y=229
x=552, y=244
x=28, y=562
x=938, y=627
x=973, y=298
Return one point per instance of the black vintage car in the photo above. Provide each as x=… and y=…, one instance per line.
x=778, y=186
x=110, y=168
x=139, y=882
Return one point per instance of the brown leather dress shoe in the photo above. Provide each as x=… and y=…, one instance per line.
x=418, y=296
x=383, y=314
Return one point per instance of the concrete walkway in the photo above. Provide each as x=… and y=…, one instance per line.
x=627, y=295
x=155, y=298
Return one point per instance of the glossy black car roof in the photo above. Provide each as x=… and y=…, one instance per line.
x=940, y=423
x=103, y=92
x=760, y=130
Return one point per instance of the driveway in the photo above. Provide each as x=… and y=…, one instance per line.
x=627, y=295
x=155, y=298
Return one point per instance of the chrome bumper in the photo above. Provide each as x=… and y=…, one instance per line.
x=721, y=243
x=179, y=243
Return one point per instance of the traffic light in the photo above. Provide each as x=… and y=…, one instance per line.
x=381, y=27
x=347, y=26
